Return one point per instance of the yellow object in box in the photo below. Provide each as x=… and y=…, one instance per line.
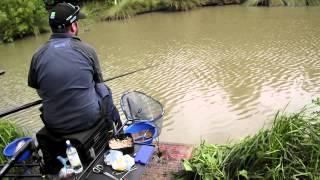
x=119, y=164
x=118, y=161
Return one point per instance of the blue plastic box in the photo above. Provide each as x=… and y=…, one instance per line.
x=144, y=154
x=10, y=149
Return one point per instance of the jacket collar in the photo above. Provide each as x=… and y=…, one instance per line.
x=64, y=35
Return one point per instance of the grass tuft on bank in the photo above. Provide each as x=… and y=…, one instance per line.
x=290, y=149
x=184, y=5
x=128, y=8
x=8, y=132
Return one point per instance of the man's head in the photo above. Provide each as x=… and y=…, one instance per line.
x=63, y=18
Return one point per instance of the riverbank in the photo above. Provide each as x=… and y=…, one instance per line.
x=289, y=149
x=23, y=18
x=169, y=162
x=128, y=8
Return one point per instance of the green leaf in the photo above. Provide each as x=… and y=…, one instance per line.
x=243, y=173
x=187, y=166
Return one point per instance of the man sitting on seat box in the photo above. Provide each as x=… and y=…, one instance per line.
x=66, y=73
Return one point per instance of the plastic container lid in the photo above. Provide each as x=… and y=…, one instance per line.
x=68, y=143
x=14, y=146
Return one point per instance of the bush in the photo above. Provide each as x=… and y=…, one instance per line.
x=19, y=18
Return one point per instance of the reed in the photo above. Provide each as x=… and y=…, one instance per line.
x=128, y=8
x=8, y=132
x=93, y=9
x=184, y=5
x=313, y=2
x=290, y=149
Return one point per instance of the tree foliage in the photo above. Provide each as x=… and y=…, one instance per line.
x=19, y=18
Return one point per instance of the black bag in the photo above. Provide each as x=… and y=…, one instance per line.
x=87, y=143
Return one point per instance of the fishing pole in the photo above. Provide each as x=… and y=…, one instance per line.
x=28, y=105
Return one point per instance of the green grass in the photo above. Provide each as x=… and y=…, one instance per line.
x=290, y=149
x=184, y=5
x=8, y=132
x=313, y=2
x=128, y=8
x=94, y=9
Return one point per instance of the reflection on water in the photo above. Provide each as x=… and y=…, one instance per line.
x=223, y=71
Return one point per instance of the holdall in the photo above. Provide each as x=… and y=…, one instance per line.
x=86, y=142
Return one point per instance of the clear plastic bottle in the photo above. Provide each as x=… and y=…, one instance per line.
x=74, y=158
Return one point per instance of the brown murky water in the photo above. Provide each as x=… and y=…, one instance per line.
x=223, y=73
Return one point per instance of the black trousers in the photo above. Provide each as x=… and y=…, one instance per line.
x=110, y=112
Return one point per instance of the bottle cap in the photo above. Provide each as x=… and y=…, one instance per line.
x=68, y=143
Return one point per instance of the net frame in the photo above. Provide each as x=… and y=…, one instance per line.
x=131, y=99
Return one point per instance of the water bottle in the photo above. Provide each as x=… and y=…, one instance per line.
x=74, y=158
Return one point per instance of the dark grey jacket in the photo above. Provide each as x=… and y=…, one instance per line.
x=65, y=72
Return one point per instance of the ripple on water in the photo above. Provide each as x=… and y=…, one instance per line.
x=216, y=80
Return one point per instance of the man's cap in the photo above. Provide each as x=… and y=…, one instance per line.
x=63, y=14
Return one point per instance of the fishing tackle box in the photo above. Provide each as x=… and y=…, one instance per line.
x=87, y=143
